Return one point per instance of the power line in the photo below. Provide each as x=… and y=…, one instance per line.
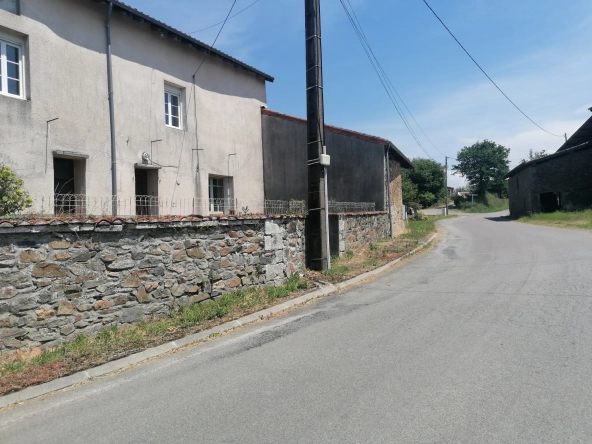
x=380, y=73
x=388, y=79
x=219, y=23
x=218, y=35
x=486, y=75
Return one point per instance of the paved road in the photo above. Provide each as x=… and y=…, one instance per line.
x=486, y=338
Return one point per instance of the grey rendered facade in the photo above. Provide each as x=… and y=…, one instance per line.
x=176, y=135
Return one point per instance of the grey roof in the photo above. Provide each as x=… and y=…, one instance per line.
x=522, y=166
x=581, y=140
x=181, y=37
x=584, y=134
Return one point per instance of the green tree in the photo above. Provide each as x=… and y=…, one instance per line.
x=13, y=198
x=483, y=165
x=425, y=184
x=533, y=155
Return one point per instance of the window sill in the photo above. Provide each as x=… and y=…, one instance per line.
x=174, y=128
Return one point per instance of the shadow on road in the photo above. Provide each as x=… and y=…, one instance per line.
x=500, y=219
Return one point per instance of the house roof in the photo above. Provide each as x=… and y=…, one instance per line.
x=581, y=140
x=403, y=160
x=582, y=135
x=584, y=146
x=170, y=32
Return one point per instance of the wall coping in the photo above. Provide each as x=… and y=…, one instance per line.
x=364, y=213
x=114, y=224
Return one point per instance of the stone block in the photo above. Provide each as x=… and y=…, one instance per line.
x=43, y=314
x=48, y=271
x=131, y=282
x=272, y=228
x=66, y=308
x=142, y=296
x=31, y=257
x=121, y=264
x=102, y=305
x=11, y=333
x=60, y=245
x=8, y=293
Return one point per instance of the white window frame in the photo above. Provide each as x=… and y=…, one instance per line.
x=18, y=43
x=176, y=92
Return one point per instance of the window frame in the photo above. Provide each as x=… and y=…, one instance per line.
x=6, y=39
x=172, y=91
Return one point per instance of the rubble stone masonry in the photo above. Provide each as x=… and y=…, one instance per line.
x=353, y=231
x=60, y=279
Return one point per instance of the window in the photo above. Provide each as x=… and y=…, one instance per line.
x=172, y=107
x=11, y=69
x=216, y=194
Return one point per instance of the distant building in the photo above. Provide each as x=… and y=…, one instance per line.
x=358, y=171
x=450, y=191
x=560, y=181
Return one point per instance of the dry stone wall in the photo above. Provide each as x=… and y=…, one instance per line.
x=353, y=231
x=60, y=279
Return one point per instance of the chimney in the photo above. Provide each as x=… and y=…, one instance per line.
x=590, y=109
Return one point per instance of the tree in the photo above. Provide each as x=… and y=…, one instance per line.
x=533, y=155
x=425, y=184
x=484, y=165
x=13, y=198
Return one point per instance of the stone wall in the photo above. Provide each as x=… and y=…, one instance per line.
x=396, y=188
x=60, y=279
x=353, y=231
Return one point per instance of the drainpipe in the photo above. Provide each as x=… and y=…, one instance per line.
x=388, y=187
x=111, y=112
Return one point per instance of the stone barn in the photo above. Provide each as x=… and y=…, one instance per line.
x=560, y=181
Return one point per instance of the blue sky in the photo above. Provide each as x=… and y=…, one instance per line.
x=538, y=51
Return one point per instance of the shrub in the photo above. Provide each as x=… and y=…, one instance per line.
x=13, y=199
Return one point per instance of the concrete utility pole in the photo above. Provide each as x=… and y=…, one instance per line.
x=446, y=175
x=111, y=113
x=317, y=223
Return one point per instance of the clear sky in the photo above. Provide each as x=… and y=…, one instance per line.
x=537, y=51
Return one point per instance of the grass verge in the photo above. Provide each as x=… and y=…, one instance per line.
x=378, y=254
x=114, y=343
x=578, y=219
x=490, y=204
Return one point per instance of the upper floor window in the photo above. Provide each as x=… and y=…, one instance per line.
x=172, y=107
x=11, y=69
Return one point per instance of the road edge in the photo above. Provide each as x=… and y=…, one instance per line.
x=47, y=388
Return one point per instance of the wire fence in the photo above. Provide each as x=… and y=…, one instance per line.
x=351, y=207
x=81, y=205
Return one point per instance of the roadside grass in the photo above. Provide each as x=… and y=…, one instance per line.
x=378, y=253
x=491, y=204
x=561, y=219
x=116, y=342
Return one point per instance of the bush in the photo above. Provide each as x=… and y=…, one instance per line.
x=13, y=199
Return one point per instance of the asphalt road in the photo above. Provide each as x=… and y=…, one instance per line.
x=486, y=338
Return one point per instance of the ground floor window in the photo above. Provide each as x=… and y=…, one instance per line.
x=220, y=195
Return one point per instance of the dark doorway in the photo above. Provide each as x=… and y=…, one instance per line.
x=63, y=186
x=550, y=203
x=146, y=192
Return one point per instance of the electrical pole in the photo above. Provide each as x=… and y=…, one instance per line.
x=446, y=175
x=317, y=223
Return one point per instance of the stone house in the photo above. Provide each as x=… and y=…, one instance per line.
x=559, y=181
x=187, y=141
x=364, y=169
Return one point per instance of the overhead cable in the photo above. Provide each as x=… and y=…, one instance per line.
x=486, y=75
x=387, y=78
x=386, y=84
x=224, y=21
